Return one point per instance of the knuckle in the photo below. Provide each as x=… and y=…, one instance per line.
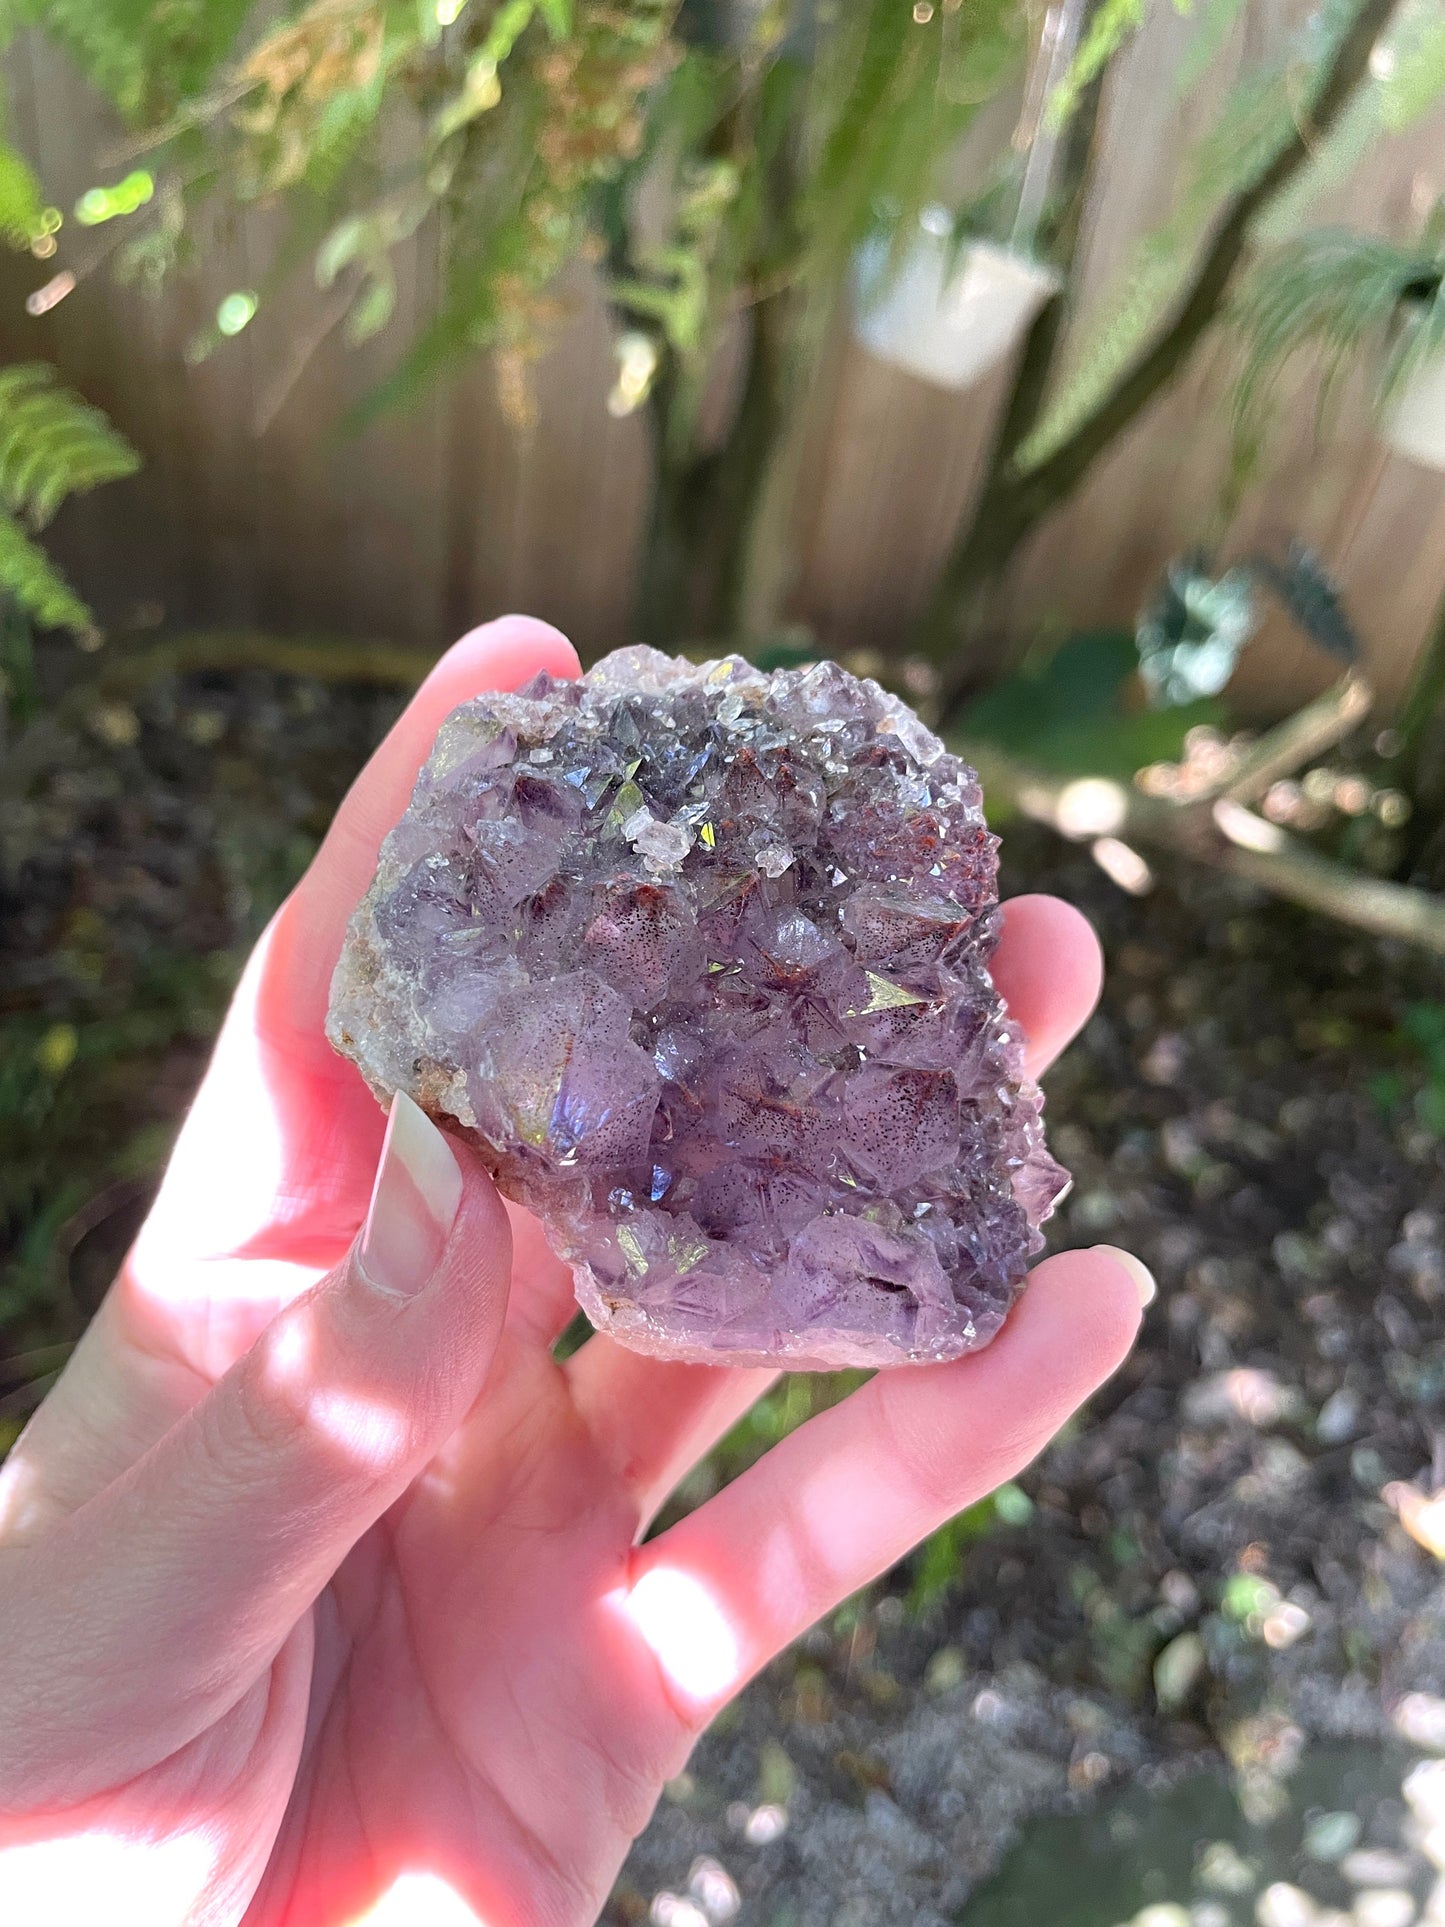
x=925, y=1451
x=252, y=1422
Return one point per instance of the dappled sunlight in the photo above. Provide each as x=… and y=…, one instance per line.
x=367, y=1430
x=21, y=1504
x=1091, y=806
x=418, y=1899
x=371, y=1431
x=79, y=1880
x=689, y=1632
x=201, y=1210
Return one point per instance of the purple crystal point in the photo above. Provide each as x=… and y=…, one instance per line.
x=698, y=958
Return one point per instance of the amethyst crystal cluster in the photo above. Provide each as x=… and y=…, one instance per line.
x=698, y=958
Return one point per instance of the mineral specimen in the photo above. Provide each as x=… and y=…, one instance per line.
x=698, y=959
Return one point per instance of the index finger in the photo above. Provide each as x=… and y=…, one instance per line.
x=276, y=1158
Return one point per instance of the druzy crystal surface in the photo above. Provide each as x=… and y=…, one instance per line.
x=698, y=958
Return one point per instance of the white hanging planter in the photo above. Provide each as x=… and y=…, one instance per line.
x=1414, y=425
x=946, y=315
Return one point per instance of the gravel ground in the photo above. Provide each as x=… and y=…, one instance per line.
x=1203, y=1572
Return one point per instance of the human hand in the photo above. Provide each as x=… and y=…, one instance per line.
x=322, y=1596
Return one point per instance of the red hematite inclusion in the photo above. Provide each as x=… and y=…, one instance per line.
x=698, y=958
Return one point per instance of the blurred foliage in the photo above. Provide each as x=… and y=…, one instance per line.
x=1192, y=631
x=1343, y=299
x=52, y=445
x=1419, y=1081
x=937, y=1566
x=527, y=128
x=1078, y=711
x=1256, y=121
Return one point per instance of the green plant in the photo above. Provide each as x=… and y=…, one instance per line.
x=718, y=163
x=1077, y=709
x=52, y=445
x=1072, y=712
x=1342, y=298
x=1275, y=133
x=1420, y=1082
x=938, y=1564
x=1192, y=630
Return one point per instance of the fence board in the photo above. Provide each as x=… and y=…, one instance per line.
x=248, y=512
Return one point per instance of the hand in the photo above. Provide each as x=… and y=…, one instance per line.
x=321, y=1591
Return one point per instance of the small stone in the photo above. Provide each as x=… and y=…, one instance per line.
x=1283, y=1905
x=764, y=1825
x=946, y=1669
x=1339, y=1419
x=714, y=1889
x=1419, y=1719
x=1384, y=1907
x=1178, y=1670
x=1376, y=1867
x=698, y=959
x=1330, y=1836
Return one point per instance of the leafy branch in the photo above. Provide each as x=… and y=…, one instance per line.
x=1021, y=488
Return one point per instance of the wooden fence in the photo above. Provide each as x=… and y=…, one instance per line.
x=253, y=510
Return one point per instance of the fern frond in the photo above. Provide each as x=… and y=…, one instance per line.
x=22, y=209
x=1113, y=23
x=1338, y=295
x=142, y=56
x=33, y=583
x=1259, y=119
x=52, y=444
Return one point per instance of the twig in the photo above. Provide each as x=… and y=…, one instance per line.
x=1284, y=749
x=1221, y=832
x=1265, y=854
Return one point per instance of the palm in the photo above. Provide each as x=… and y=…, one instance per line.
x=487, y=1691
x=470, y=1616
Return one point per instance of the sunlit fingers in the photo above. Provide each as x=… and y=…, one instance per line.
x=1048, y=968
x=542, y=1304
x=841, y=1499
x=656, y=1420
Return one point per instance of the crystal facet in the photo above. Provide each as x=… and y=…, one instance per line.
x=697, y=957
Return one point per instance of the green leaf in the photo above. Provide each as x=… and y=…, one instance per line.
x=373, y=310
x=143, y=56
x=1113, y=23
x=33, y=583
x=52, y=444
x=22, y=210
x=1415, y=79
x=1311, y=597
x=1070, y=715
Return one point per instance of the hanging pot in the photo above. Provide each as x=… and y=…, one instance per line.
x=1414, y=424
x=944, y=314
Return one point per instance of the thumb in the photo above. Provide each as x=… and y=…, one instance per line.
x=154, y=1607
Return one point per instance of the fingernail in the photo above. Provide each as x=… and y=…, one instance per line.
x=413, y=1203
x=1142, y=1276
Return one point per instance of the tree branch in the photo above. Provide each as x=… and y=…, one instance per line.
x=1058, y=473
x=1221, y=833
x=1015, y=500
x=1287, y=747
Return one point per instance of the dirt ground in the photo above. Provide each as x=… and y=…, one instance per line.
x=1197, y=1623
